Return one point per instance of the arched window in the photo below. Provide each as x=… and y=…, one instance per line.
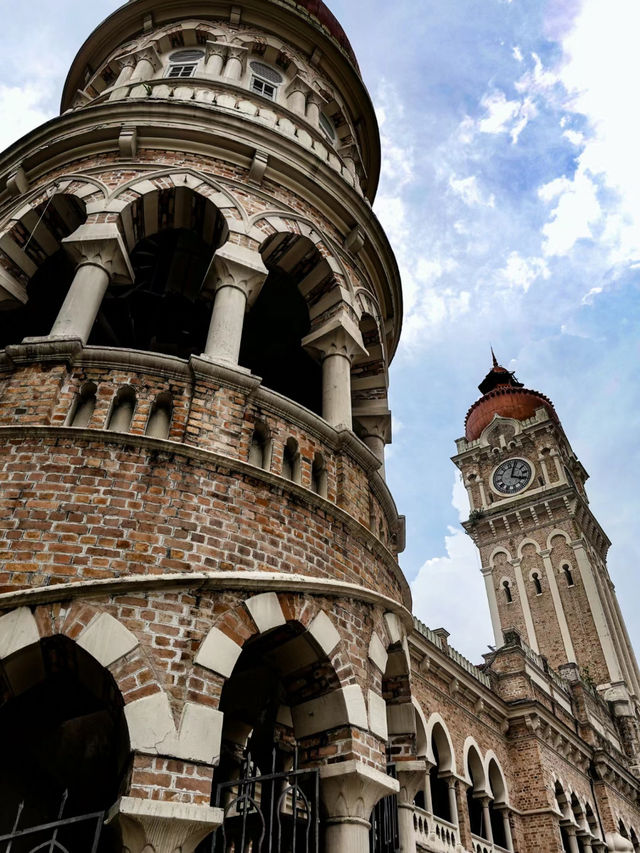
x=159, y=422
x=183, y=63
x=84, y=407
x=475, y=793
x=260, y=447
x=535, y=577
x=438, y=781
x=124, y=405
x=319, y=475
x=507, y=591
x=568, y=575
x=291, y=461
x=265, y=80
x=499, y=808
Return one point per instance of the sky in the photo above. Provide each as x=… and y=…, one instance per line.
x=510, y=192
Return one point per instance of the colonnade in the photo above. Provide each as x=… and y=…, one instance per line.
x=236, y=276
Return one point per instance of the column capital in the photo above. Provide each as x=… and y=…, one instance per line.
x=376, y=424
x=215, y=48
x=411, y=774
x=101, y=245
x=239, y=267
x=546, y=553
x=340, y=335
x=149, y=53
x=350, y=790
x=157, y=825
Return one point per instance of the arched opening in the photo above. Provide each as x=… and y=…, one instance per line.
x=62, y=729
x=440, y=774
x=269, y=730
x=319, y=475
x=580, y=822
x=37, y=262
x=475, y=793
x=279, y=320
x=84, y=406
x=537, y=585
x=168, y=307
x=498, y=806
x=568, y=575
x=507, y=592
x=564, y=809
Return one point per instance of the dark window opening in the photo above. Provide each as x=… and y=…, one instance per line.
x=439, y=789
x=568, y=575
x=84, y=406
x=536, y=582
x=166, y=309
x=507, y=592
x=271, y=343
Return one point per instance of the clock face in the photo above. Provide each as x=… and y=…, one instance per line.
x=512, y=476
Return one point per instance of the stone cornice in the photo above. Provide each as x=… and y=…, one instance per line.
x=229, y=463
x=244, y=581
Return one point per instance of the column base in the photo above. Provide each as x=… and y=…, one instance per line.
x=163, y=827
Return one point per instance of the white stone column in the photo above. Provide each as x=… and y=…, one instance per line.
x=100, y=254
x=507, y=828
x=127, y=65
x=163, y=827
x=486, y=819
x=410, y=776
x=337, y=342
x=377, y=432
x=297, y=92
x=453, y=801
x=234, y=64
x=487, y=574
x=314, y=105
x=557, y=603
x=215, y=58
x=574, y=847
x=147, y=63
x=237, y=275
x=349, y=792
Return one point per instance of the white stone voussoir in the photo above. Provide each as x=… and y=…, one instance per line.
x=335, y=709
x=218, y=653
x=378, y=715
x=324, y=632
x=18, y=629
x=107, y=639
x=265, y=611
x=377, y=652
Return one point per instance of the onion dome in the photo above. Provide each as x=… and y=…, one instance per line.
x=503, y=395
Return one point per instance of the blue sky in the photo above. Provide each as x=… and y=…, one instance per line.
x=511, y=194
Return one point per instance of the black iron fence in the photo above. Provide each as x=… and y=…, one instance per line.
x=63, y=835
x=384, y=837
x=269, y=813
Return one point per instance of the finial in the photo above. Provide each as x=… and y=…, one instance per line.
x=495, y=360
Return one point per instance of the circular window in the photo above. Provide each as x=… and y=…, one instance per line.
x=186, y=56
x=266, y=72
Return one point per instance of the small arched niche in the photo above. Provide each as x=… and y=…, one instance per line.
x=319, y=475
x=159, y=423
x=62, y=728
x=260, y=447
x=124, y=405
x=291, y=469
x=279, y=320
x=84, y=406
x=167, y=309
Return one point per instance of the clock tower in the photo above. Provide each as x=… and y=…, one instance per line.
x=543, y=552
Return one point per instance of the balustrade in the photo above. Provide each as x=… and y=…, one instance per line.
x=433, y=834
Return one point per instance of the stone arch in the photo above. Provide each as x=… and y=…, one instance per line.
x=526, y=541
x=495, y=552
x=437, y=730
x=34, y=268
x=155, y=202
x=442, y=768
x=557, y=532
x=496, y=777
x=369, y=373
x=473, y=766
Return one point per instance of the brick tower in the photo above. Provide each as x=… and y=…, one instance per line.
x=543, y=552
x=199, y=309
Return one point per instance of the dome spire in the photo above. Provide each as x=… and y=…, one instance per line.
x=495, y=360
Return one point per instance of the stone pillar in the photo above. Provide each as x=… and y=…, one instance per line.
x=214, y=62
x=237, y=275
x=337, y=342
x=428, y=797
x=349, y=792
x=507, y=827
x=163, y=827
x=127, y=65
x=377, y=432
x=297, y=92
x=559, y=609
x=101, y=256
x=487, y=574
x=314, y=105
x=486, y=819
x=147, y=63
x=574, y=847
x=410, y=777
x=235, y=61
x=453, y=801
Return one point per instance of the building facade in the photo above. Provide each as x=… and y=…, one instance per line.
x=206, y=640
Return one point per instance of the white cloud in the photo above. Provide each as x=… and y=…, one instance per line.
x=577, y=209
x=449, y=590
x=520, y=273
x=469, y=191
x=22, y=108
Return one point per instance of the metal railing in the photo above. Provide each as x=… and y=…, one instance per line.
x=63, y=835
